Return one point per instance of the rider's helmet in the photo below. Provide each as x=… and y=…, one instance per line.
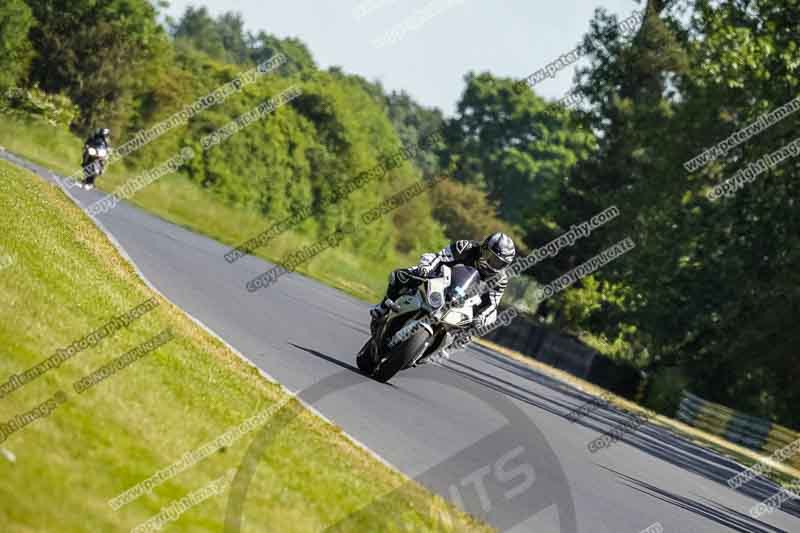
x=497, y=253
x=103, y=133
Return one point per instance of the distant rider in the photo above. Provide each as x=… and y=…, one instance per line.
x=100, y=138
x=490, y=257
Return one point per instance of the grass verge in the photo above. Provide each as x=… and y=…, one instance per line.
x=61, y=280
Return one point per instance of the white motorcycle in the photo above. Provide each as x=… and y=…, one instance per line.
x=418, y=322
x=94, y=158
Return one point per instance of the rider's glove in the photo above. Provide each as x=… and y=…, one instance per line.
x=427, y=264
x=486, y=318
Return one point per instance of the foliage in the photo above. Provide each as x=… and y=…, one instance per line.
x=414, y=122
x=665, y=388
x=466, y=213
x=514, y=147
x=221, y=39
x=95, y=51
x=712, y=286
x=15, y=48
x=55, y=109
x=225, y=39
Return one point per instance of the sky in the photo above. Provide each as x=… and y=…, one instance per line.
x=425, y=47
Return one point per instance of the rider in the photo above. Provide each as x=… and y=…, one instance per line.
x=100, y=138
x=490, y=257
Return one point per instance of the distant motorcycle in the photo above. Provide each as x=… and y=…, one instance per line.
x=418, y=322
x=94, y=160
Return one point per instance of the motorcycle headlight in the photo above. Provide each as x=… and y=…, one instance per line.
x=436, y=300
x=92, y=151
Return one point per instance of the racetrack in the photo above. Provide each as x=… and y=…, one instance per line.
x=483, y=431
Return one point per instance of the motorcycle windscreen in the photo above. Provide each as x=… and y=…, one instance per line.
x=463, y=279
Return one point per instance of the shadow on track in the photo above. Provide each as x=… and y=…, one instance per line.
x=656, y=441
x=730, y=518
x=328, y=358
x=356, y=370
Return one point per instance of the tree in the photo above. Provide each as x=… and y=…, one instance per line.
x=97, y=52
x=15, y=48
x=224, y=38
x=413, y=123
x=263, y=46
x=466, y=213
x=712, y=286
x=512, y=145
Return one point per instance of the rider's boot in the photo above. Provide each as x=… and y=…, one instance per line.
x=379, y=311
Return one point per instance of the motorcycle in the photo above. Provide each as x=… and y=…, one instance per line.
x=418, y=322
x=94, y=158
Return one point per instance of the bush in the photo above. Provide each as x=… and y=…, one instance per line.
x=665, y=389
x=466, y=212
x=55, y=109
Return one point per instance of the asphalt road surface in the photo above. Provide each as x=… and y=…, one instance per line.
x=485, y=432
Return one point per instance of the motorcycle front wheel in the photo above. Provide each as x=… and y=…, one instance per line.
x=364, y=359
x=401, y=356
